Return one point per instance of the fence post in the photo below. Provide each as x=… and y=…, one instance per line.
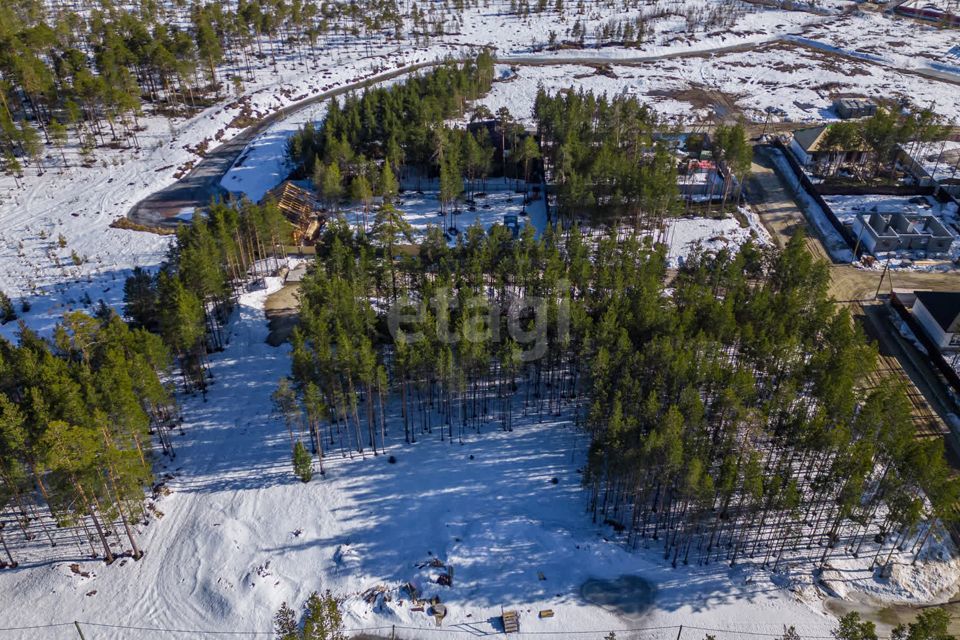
x=77, y=625
x=680, y=632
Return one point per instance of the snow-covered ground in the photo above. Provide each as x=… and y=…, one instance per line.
x=264, y=163
x=240, y=535
x=421, y=209
x=668, y=32
x=888, y=39
x=683, y=235
x=81, y=203
x=940, y=159
x=801, y=82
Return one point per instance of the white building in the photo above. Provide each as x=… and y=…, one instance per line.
x=938, y=312
x=808, y=147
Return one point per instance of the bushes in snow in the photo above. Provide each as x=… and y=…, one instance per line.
x=7, y=312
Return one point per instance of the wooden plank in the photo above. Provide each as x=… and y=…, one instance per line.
x=511, y=622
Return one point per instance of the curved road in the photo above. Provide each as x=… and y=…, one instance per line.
x=202, y=184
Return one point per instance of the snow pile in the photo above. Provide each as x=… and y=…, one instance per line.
x=936, y=582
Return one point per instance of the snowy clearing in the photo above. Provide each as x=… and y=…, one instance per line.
x=685, y=234
x=799, y=81
x=240, y=535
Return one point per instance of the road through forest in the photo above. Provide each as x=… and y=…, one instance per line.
x=202, y=183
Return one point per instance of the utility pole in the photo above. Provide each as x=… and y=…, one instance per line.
x=882, y=274
x=765, y=121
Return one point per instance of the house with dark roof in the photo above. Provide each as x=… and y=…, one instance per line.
x=808, y=146
x=938, y=312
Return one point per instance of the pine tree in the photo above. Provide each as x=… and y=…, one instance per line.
x=140, y=299
x=31, y=144
x=360, y=190
x=285, y=624
x=7, y=311
x=58, y=136
x=388, y=184
x=931, y=624
x=322, y=618
x=851, y=627
x=332, y=189
x=302, y=463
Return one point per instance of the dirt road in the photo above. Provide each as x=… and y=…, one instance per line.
x=900, y=362
x=777, y=208
x=782, y=217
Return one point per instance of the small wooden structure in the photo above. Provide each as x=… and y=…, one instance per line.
x=511, y=622
x=546, y=613
x=299, y=207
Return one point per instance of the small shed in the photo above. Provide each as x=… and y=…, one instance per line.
x=848, y=108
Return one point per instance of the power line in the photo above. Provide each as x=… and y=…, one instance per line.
x=753, y=633
x=163, y=630
x=393, y=628
x=38, y=626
